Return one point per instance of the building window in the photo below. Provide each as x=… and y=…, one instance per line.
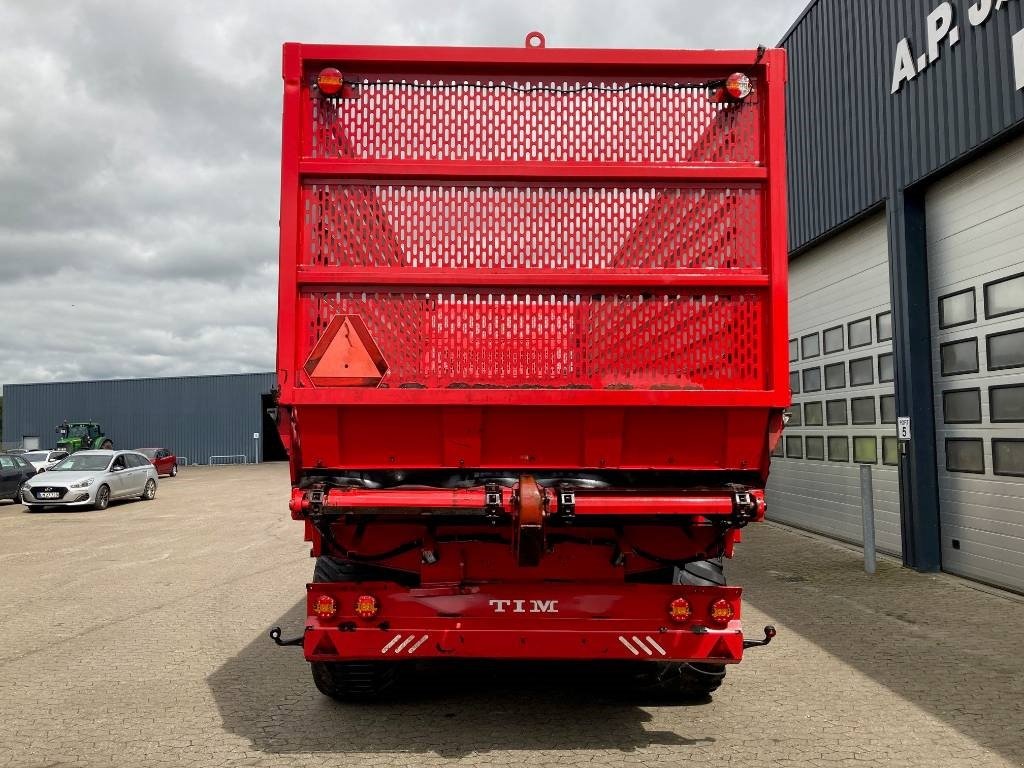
x=957, y=309
x=858, y=333
x=865, y=449
x=961, y=406
x=835, y=376
x=838, y=448
x=885, y=372
x=1008, y=456
x=890, y=450
x=862, y=410
x=1004, y=297
x=794, y=447
x=812, y=414
x=794, y=350
x=833, y=339
x=959, y=357
x=965, y=454
x=794, y=382
x=812, y=379
x=887, y=407
x=835, y=412
x=815, y=446
x=809, y=345
x=1005, y=350
x=883, y=326
x=794, y=416
x=862, y=371
x=778, y=451
x=1006, y=403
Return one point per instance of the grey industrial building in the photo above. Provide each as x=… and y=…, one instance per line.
x=906, y=171
x=906, y=225
x=199, y=417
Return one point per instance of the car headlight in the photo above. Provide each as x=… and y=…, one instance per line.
x=82, y=483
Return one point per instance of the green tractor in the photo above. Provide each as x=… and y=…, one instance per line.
x=82, y=435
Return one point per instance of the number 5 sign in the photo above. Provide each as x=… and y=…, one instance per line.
x=903, y=427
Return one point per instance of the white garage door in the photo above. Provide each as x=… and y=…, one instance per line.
x=844, y=411
x=975, y=221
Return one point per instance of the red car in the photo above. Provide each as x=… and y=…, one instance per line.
x=163, y=459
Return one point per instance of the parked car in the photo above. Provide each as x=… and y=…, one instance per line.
x=163, y=459
x=43, y=460
x=91, y=479
x=14, y=471
x=17, y=450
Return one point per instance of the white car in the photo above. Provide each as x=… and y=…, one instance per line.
x=43, y=460
x=91, y=479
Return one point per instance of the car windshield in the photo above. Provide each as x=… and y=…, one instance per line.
x=35, y=456
x=149, y=453
x=79, y=463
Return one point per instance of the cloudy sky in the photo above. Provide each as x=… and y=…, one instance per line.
x=139, y=158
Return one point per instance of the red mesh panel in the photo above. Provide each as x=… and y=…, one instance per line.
x=644, y=124
x=554, y=340
x=544, y=227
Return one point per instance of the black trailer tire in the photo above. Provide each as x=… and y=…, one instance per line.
x=349, y=681
x=702, y=573
x=682, y=681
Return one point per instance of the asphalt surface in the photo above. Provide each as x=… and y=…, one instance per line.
x=137, y=636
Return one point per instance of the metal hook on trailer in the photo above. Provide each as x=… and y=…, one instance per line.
x=769, y=633
x=275, y=635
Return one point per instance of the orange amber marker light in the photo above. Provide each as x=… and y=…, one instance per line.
x=679, y=609
x=329, y=81
x=737, y=85
x=325, y=606
x=367, y=606
x=721, y=611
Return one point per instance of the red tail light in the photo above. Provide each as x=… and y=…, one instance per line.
x=721, y=612
x=737, y=85
x=367, y=606
x=330, y=81
x=679, y=609
x=325, y=606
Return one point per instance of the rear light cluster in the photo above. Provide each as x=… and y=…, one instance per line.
x=720, y=612
x=365, y=607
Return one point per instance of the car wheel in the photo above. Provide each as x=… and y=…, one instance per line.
x=102, y=498
x=150, y=492
x=174, y=470
x=16, y=498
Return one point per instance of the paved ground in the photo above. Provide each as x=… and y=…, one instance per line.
x=136, y=636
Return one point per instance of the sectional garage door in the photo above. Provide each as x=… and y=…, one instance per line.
x=843, y=411
x=975, y=221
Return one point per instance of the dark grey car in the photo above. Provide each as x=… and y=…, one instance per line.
x=14, y=471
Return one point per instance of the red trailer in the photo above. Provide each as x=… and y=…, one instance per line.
x=532, y=351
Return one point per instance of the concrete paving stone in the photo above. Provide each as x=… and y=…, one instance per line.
x=137, y=637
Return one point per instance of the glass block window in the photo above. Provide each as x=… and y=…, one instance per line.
x=858, y=333
x=779, y=450
x=794, y=382
x=812, y=379
x=835, y=412
x=865, y=449
x=1008, y=457
x=810, y=345
x=815, y=447
x=885, y=367
x=1006, y=403
x=794, y=350
x=813, y=415
x=883, y=326
x=862, y=409
x=838, y=448
x=862, y=371
x=794, y=447
x=959, y=357
x=887, y=407
x=890, y=451
x=835, y=376
x=794, y=416
x=833, y=339
x=1004, y=297
x=957, y=309
x=961, y=406
x=1005, y=350
x=965, y=454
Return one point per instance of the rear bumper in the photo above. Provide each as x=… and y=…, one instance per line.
x=554, y=622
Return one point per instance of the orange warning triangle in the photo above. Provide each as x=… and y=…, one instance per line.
x=346, y=356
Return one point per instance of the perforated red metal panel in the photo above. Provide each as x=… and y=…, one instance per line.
x=531, y=227
x=518, y=119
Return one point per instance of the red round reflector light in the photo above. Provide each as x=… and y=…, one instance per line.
x=737, y=85
x=679, y=609
x=330, y=81
x=721, y=611
x=325, y=606
x=367, y=606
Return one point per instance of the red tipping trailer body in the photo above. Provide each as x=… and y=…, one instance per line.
x=532, y=349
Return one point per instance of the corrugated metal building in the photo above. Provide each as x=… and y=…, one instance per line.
x=906, y=173
x=195, y=416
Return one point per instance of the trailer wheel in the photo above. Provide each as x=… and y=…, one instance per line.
x=349, y=681
x=701, y=573
x=682, y=681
